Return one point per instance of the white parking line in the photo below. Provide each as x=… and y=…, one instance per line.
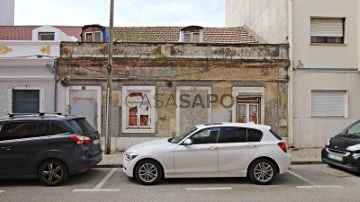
x=208, y=188
x=301, y=177
x=318, y=186
x=106, y=178
x=1, y=191
x=312, y=184
x=97, y=188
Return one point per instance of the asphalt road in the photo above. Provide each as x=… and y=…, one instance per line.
x=316, y=182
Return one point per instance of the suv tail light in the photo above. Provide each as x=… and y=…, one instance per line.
x=282, y=146
x=80, y=139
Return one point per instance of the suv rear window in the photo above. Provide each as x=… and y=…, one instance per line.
x=56, y=128
x=82, y=126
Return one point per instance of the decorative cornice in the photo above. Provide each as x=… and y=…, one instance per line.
x=5, y=49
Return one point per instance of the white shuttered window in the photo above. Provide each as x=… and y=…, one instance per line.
x=328, y=103
x=327, y=30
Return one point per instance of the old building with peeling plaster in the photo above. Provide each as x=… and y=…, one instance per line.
x=168, y=79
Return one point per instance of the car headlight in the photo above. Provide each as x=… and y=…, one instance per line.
x=353, y=147
x=130, y=156
x=328, y=142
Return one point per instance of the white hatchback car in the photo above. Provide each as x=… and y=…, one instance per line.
x=211, y=150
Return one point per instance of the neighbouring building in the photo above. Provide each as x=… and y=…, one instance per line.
x=28, y=67
x=7, y=10
x=324, y=41
x=168, y=79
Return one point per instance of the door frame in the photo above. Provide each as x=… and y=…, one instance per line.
x=98, y=100
x=189, y=88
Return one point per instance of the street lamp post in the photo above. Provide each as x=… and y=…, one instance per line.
x=109, y=82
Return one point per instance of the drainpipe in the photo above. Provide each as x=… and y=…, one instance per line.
x=291, y=76
x=55, y=87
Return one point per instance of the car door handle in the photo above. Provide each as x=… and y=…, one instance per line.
x=212, y=148
x=251, y=145
x=6, y=148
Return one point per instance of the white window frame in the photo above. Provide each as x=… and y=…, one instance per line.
x=183, y=33
x=101, y=36
x=328, y=110
x=249, y=91
x=46, y=33
x=41, y=97
x=247, y=115
x=150, y=94
x=93, y=36
x=327, y=28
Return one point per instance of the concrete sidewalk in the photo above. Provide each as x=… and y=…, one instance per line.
x=299, y=156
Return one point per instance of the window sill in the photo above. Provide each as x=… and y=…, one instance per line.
x=330, y=117
x=138, y=130
x=328, y=44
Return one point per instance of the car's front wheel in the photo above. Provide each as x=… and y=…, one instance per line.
x=52, y=172
x=262, y=171
x=148, y=172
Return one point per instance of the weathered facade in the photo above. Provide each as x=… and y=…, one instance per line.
x=163, y=89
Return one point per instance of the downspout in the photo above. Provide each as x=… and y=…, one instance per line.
x=358, y=39
x=55, y=87
x=291, y=77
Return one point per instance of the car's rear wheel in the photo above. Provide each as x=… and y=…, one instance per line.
x=262, y=171
x=148, y=172
x=52, y=172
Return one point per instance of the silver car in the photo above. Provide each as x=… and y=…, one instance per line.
x=211, y=150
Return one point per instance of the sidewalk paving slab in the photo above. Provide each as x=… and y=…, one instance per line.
x=305, y=156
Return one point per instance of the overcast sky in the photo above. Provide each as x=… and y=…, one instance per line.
x=207, y=13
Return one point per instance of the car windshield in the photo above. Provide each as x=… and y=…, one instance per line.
x=353, y=130
x=177, y=139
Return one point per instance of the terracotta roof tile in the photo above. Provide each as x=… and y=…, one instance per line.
x=141, y=34
x=172, y=34
x=25, y=32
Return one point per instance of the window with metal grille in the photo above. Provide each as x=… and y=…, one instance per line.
x=327, y=30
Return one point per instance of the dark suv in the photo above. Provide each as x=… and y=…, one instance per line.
x=47, y=146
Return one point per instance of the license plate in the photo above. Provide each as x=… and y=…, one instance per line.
x=335, y=157
x=96, y=142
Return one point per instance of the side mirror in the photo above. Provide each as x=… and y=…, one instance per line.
x=187, y=142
